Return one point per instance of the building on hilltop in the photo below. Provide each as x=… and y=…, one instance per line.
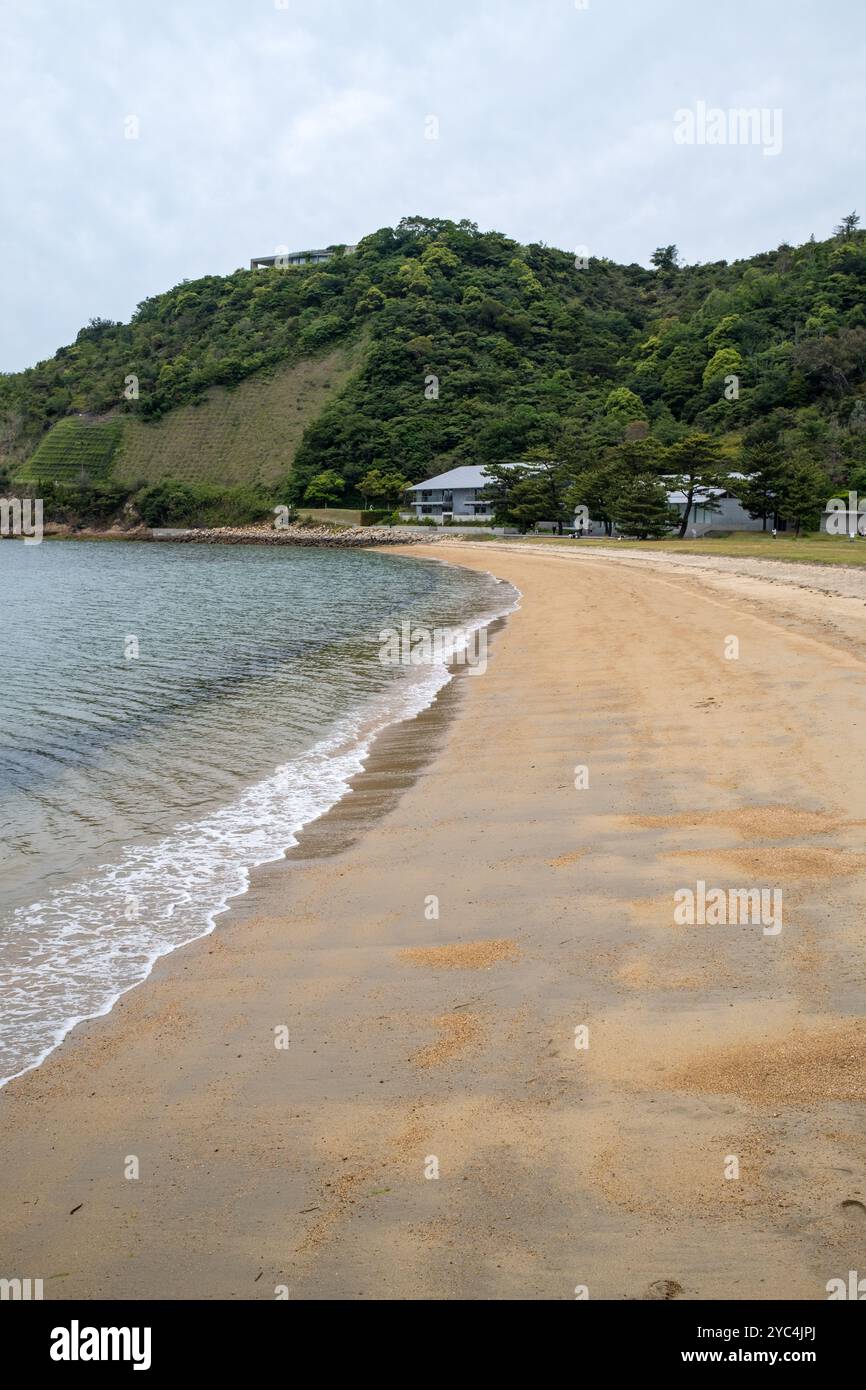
x=285, y=258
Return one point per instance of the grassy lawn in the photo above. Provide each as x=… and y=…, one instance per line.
x=816, y=548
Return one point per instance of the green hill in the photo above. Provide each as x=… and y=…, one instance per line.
x=436, y=344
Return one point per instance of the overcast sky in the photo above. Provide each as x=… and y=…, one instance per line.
x=276, y=123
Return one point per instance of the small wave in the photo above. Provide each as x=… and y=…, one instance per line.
x=70, y=956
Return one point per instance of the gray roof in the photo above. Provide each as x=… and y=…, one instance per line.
x=701, y=496
x=468, y=475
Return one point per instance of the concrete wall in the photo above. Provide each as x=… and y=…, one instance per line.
x=730, y=516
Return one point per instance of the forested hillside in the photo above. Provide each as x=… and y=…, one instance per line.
x=468, y=347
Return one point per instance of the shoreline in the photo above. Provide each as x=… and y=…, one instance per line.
x=374, y=729
x=414, y=1036
x=320, y=535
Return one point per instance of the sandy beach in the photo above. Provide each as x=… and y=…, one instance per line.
x=496, y=892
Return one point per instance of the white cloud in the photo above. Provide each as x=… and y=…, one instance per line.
x=264, y=127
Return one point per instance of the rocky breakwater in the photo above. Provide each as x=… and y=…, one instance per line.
x=299, y=535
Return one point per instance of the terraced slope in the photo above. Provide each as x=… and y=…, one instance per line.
x=248, y=435
x=76, y=450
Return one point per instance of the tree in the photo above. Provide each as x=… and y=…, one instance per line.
x=325, y=489
x=699, y=468
x=681, y=376
x=725, y=333
x=760, y=490
x=665, y=258
x=95, y=327
x=848, y=226
x=637, y=456
x=598, y=489
x=440, y=257
x=553, y=481
x=642, y=510
x=623, y=405
x=804, y=493
x=413, y=278
x=525, y=493
x=833, y=361
x=499, y=490
x=168, y=503
x=385, y=486
x=529, y=504
x=726, y=361
x=371, y=302
x=599, y=486
x=369, y=485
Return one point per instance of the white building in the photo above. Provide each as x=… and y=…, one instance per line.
x=455, y=494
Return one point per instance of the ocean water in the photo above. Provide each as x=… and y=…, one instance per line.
x=170, y=717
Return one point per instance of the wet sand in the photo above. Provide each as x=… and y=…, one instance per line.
x=432, y=1130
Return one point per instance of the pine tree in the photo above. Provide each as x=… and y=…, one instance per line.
x=804, y=494
x=699, y=467
x=760, y=492
x=643, y=511
x=848, y=226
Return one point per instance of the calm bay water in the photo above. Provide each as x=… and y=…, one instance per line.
x=136, y=792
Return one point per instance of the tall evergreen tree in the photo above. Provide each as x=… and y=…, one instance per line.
x=760, y=491
x=643, y=511
x=805, y=491
x=698, y=467
x=848, y=226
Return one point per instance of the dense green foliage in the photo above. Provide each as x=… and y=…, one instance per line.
x=86, y=504
x=325, y=489
x=213, y=331
x=529, y=352
x=642, y=509
x=184, y=504
x=484, y=351
x=383, y=486
x=169, y=504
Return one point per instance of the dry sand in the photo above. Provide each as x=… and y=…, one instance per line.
x=432, y=1129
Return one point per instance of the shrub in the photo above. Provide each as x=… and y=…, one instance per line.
x=183, y=504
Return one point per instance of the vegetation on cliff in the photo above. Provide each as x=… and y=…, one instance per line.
x=480, y=350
